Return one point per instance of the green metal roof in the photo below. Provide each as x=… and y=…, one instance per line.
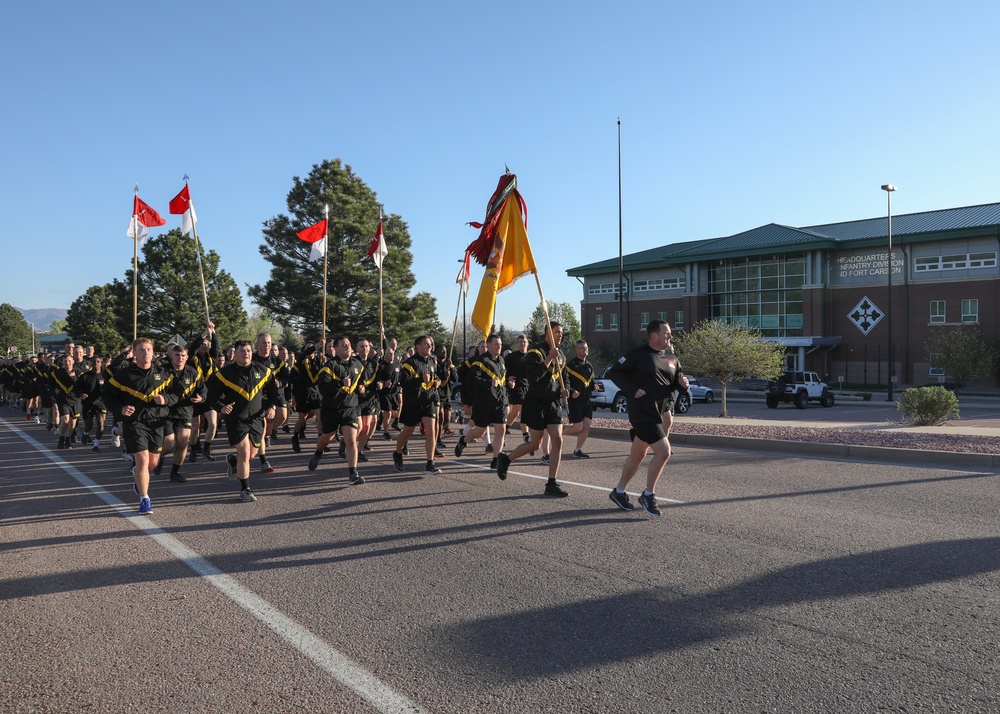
x=773, y=237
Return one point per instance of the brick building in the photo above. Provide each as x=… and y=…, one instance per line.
x=820, y=290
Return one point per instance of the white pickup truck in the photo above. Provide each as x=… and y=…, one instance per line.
x=606, y=394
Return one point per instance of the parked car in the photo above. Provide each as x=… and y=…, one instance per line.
x=606, y=394
x=697, y=390
x=799, y=388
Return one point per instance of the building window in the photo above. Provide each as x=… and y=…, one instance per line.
x=679, y=320
x=603, y=289
x=614, y=321
x=762, y=293
x=642, y=286
x=661, y=316
x=970, y=311
x=643, y=320
x=958, y=261
x=599, y=321
x=937, y=312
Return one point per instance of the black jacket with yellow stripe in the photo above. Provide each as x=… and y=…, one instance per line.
x=137, y=387
x=250, y=389
x=485, y=370
x=338, y=383
x=543, y=380
x=579, y=376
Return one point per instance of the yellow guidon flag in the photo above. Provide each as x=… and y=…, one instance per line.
x=503, y=247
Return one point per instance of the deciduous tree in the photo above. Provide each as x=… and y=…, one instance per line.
x=728, y=353
x=963, y=353
x=14, y=331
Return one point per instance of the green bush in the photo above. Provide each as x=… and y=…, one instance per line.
x=928, y=406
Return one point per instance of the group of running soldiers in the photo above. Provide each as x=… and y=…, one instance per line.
x=173, y=404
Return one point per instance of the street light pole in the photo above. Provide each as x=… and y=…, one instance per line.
x=621, y=263
x=889, y=188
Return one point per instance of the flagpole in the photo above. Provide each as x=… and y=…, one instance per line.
x=201, y=270
x=458, y=305
x=381, y=320
x=135, y=270
x=326, y=264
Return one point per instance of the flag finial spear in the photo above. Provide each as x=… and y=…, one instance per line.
x=137, y=188
x=505, y=169
x=186, y=178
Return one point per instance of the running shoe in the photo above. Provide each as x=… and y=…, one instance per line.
x=489, y=448
x=265, y=467
x=503, y=463
x=493, y=464
x=246, y=495
x=296, y=446
x=115, y=438
x=355, y=478
x=397, y=461
x=207, y=453
x=178, y=477
x=580, y=455
x=621, y=500
x=145, y=506
x=314, y=460
x=545, y=459
x=431, y=468
x=231, y=462
x=552, y=489
x=460, y=446
x=648, y=503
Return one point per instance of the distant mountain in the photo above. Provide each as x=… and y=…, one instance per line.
x=42, y=318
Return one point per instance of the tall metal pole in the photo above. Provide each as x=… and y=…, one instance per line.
x=889, y=188
x=326, y=264
x=621, y=261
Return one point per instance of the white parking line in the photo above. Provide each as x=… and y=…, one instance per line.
x=338, y=665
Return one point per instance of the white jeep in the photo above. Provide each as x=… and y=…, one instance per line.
x=800, y=388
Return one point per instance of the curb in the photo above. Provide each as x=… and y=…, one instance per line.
x=842, y=451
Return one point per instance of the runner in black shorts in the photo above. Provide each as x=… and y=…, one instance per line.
x=191, y=392
x=542, y=412
x=367, y=397
x=649, y=376
x=519, y=385
x=91, y=385
x=243, y=392
x=418, y=378
x=141, y=393
x=340, y=384
x=387, y=382
x=489, y=374
x=579, y=375
x=304, y=374
x=64, y=380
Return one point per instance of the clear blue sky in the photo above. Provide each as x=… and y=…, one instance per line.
x=734, y=115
